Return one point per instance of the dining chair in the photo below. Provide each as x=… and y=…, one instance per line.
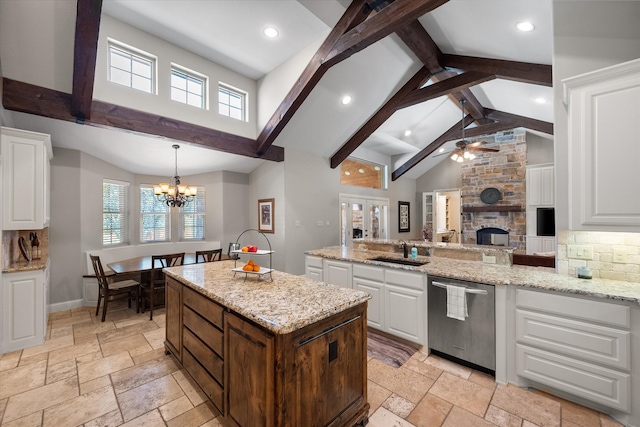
x=208, y=256
x=107, y=290
x=155, y=286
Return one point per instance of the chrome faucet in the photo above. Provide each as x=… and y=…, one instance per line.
x=405, y=249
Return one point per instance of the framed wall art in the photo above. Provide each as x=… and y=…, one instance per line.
x=403, y=217
x=265, y=215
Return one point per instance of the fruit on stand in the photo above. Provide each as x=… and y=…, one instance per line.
x=249, y=248
x=251, y=266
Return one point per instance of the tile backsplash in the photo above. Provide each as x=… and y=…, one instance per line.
x=11, y=251
x=603, y=245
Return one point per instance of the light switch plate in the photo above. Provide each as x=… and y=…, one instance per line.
x=580, y=252
x=620, y=256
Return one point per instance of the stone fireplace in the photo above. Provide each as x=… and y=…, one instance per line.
x=506, y=171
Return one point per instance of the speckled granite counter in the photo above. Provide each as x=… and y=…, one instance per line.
x=38, y=264
x=283, y=305
x=477, y=271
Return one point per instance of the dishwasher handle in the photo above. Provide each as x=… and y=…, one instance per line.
x=466, y=290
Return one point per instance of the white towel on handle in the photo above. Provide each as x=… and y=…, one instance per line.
x=457, y=302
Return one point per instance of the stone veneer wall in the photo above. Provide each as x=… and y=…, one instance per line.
x=506, y=171
x=603, y=244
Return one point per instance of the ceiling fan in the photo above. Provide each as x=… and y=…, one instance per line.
x=464, y=149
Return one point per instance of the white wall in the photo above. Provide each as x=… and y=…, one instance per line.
x=539, y=149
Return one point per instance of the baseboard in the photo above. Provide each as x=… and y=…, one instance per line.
x=67, y=305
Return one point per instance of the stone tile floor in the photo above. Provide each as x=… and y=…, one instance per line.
x=89, y=373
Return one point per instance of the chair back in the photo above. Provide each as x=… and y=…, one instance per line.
x=99, y=272
x=158, y=262
x=208, y=256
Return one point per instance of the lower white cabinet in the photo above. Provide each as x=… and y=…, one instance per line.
x=24, y=309
x=405, y=304
x=337, y=273
x=537, y=244
x=575, y=345
x=313, y=268
x=370, y=279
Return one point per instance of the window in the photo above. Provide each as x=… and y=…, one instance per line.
x=361, y=173
x=131, y=68
x=188, y=87
x=155, y=217
x=231, y=102
x=115, y=213
x=192, y=218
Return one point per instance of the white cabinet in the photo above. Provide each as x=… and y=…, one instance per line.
x=25, y=177
x=575, y=345
x=370, y=279
x=540, y=186
x=337, y=273
x=24, y=308
x=405, y=304
x=537, y=244
x=603, y=129
x=313, y=268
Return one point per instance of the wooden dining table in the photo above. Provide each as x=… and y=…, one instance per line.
x=142, y=264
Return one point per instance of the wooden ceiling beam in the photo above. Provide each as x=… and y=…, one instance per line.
x=355, y=14
x=521, y=121
x=379, y=117
x=31, y=99
x=525, y=72
x=85, y=52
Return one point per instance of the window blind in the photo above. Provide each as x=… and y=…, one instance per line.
x=192, y=218
x=115, y=213
x=155, y=217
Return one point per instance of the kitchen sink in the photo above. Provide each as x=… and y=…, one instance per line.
x=402, y=261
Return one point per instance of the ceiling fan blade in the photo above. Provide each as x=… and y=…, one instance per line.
x=476, y=144
x=449, y=153
x=483, y=149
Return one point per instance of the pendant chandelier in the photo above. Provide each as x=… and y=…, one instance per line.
x=461, y=153
x=174, y=194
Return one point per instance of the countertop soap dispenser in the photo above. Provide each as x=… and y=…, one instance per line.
x=414, y=252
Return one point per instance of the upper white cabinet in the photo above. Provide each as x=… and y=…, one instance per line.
x=604, y=148
x=26, y=180
x=540, y=186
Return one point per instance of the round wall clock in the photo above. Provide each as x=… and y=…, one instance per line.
x=490, y=195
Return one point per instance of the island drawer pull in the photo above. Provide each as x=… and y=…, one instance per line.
x=467, y=290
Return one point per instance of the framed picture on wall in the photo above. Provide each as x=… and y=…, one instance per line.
x=403, y=217
x=265, y=215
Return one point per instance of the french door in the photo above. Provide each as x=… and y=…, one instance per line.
x=363, y=219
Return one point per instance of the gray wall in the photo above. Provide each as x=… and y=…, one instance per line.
x=539, y=149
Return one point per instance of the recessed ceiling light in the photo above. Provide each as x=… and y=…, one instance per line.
x=270, y=32
x=441, y=150
x=361, y=170
x=525, y=26
x=539, y=100
x=407, y=132
x=377, y=168
x=347, y=173
x=346, y=100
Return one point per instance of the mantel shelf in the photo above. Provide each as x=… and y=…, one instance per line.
x=492, y=209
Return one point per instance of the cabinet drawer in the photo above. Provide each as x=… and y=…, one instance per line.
x=601, y=385
x=405, y=279
x=209, y=334
x=207, y=358
x=583, y=309
x=210, y=387
x=368, y=272
x=204, y=307
x=314, y=261
x=587, y=341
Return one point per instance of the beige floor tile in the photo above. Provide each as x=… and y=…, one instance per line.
x=156, y=338
x=194, y=417
x=81, y=409
x=92, y=385
x=376, y=394
x=160, y=319
x=10, y=360
x=485, y=380
x=529, y=406
x=131, y=320
x=426, y=369
x=150, y=355
x=91, y=370
x=84, y=329
x=403, y=382
x=61, y=371
x=502, y=418
x=606, y=421
x=136, y=375
x=22, y=378
x=113, y=418
x=448, y=366
x=191, y=389
x=213, y=423
x=430, y=412
x=149, y=396
x=385, y=418
x=580, y=415
x=399, y=405
x=458, y=417
x=132, y=342
x=60, y=332
x=127, y=331
x=31, y=420
x=52, y=344
x=527, y=423
x=150, y=419
x=83, y=317
x=73, y=351
x=469, y=396
x=59, y=315
x=40, y=398
x=29, y=360
x=3, y=405
x=175, y=408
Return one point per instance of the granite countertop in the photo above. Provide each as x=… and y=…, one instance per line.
x=494, y=274
x=282, y=306
x=22, y=265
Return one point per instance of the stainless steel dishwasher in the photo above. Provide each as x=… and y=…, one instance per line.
x=472, y=340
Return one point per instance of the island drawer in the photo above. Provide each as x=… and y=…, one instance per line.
x=204, y=307
x=209, y=334
x=210, y=387
x=203, y=354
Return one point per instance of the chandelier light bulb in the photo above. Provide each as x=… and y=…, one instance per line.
x=174, y=194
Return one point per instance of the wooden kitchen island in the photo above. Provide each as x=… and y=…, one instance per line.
x=283, y=352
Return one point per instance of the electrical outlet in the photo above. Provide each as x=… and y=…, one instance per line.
x=580, y=252
x=489, y=259
x=620, y=256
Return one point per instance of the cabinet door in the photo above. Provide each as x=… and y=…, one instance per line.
x=548, y=244
x=375, y=311
x=173, y=304
x=547, y=183
x=337, y=273
x=534, y=244
x=405, y=313
x=23, y=309
x=314, y=268
x=249, y=374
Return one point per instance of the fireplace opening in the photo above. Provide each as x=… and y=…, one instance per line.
x=492, y=236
